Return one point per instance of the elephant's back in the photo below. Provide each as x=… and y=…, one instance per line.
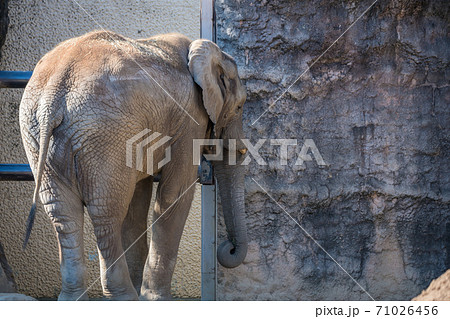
x=84, y=59
x=105, y=63
x=107, y=83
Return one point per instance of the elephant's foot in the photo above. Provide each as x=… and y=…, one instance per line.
x=124, y=297
x=73, y=295
x=129, y=294
x=147, y=295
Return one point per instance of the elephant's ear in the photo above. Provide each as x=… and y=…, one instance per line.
x=205, y=66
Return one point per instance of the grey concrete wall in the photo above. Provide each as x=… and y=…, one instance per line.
x=36, y=27
x=377, y=107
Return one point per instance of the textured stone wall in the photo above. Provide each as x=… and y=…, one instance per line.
x=35, y=28
x=377, y=107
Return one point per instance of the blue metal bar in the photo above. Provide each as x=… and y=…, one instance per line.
x=15, y=172
x=14, y=79
x=22, y=172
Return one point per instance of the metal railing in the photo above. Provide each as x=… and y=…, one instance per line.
x=14, y=79
x=15, y=172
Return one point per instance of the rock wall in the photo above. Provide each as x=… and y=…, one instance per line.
x=376, y=105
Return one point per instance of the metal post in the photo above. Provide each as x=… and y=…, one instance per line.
x=209, y=225
x=209, y=242
x=207, y=20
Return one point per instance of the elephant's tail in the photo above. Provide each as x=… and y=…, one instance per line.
x=49, y=116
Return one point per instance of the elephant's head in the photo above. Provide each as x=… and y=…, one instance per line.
x=223, y=98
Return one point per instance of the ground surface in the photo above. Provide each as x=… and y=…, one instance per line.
x=439, y=289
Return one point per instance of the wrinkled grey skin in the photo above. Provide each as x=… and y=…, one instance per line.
x=86, y=98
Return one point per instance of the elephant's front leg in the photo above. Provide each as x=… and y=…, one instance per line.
x=173, y=201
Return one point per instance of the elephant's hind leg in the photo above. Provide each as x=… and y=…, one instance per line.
x=107, y=213
x=65, y=209
x=135, y=226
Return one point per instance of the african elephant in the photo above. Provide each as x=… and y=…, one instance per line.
x=88, y=97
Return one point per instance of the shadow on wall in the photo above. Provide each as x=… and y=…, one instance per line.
x=4, y=21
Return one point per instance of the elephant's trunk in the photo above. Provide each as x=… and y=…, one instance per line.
x=230, y=178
